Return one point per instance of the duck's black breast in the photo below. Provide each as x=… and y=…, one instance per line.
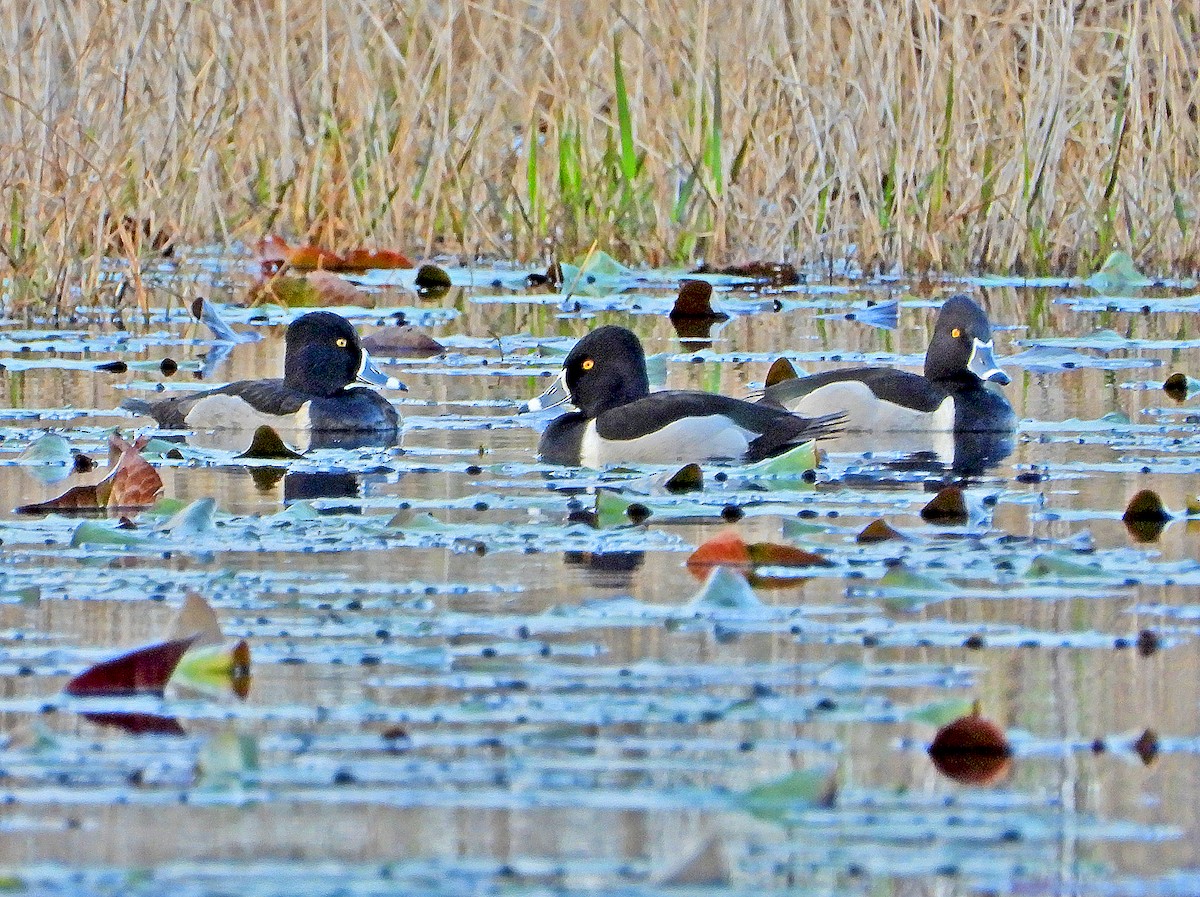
x=978, y=409
x=561, y=442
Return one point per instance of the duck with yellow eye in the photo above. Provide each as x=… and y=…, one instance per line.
x=619, y=421
x=325, y=388
x=952, y=396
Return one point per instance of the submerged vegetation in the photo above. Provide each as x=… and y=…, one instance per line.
x=1031, y=137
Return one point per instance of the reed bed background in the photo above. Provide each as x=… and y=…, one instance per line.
x=1020, y=136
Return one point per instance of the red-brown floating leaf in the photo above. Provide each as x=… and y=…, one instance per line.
x=878, y=531
x=144, y=671
x=1147, y=746
x=131, y=484
x=772, y=554
x=725, y=550
x=138, y=723
x=781, y=369
x=948, y=506
x=273, y=253
x=972, y=750
x=358, y=260
x=1176, y=386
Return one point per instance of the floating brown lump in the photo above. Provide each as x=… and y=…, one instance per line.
x=1147, y=746
x=972, y=750
x=268, y=445
x=695, y=301
x=949, y=505
x=1146, y=506
x=1176, y=386
x=431, y=277
x=402, y=339
x=780, y=274
x=689, y=478
x=878, y=531
x=781, y=369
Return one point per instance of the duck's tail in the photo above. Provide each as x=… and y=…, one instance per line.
x=801, y=429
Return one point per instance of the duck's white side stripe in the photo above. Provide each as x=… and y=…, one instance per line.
x=682, y=441
x=869, y=414
x=226, y=412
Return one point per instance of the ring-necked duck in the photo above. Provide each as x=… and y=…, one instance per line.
x=324, y=362
x=620, y=421
x=949, y=397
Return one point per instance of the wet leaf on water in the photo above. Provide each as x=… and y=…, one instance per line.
x=1053, y=566
x=213, y=669
x=725, y=550
x=92, y=533
x=940, y=713
x=948, y=506
x=194, y=520
x=613, y=509
x=689, y=478
x=725, y=589
x=879, y=531
x=144, y=671
x=773, y=554
x=132, y=484
x=1147, y=746
x=781, y=369
x=49, y=448
x=209, y=314
x=794, y=462
x=226, y=759
x=268, y=445
x=805, y=789
x=1118, y=273
x=196, y=619
x=901, y=578
x=706, y=867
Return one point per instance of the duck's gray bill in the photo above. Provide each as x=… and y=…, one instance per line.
x=556, y=395
x=368, y=373
x=983, y=364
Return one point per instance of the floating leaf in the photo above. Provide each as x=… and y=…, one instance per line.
x=268, y=445
x=194, y=520
x=49, y=448
x=215, y=668
x=706, y=867
x=613, y=509
x=948, y=506
x=92, y=533
x=695, y=301
x=972, y=750
x=941, y=712
x=1146, y=506
x=402, y=340
x=1116, y=274
x=209, y=314
x=781, y=369
x=900, y=577
x=144, y=671
x=794, y=462
x=132, y=483
x=689, y=478
x=1053, y=566
x=725, y=589
x=431, y=277
x=726, y=550
x=773, y=554
x=805, y=789
x=273, y=252
x=879, y=531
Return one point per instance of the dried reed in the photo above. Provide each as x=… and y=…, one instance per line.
x=1034, y=135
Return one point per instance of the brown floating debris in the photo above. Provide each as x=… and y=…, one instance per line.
x=169, y=366
x=878, y=531
x=112, y=367
x=1176, y=386
x=780, y=274
x=131, y=484
x=1147, y=746
x=781, y=370
x=695, y=301
x=689, y=478
x=431, y=277
x=972, y=750
x=948, y=506
x=1146, y=506
x=402, y=339
x=1148, y=642
x=268, y=445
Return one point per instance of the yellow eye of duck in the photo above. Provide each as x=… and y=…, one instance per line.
x=342, y=342
x=956, y=333
x=588, y=364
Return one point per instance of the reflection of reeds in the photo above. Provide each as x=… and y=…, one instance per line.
x=967, y=135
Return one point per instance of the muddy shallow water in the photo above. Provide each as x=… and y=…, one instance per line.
x=460, y=687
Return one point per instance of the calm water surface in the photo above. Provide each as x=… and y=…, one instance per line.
x=503, y=700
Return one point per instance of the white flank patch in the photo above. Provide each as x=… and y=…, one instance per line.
x=867, y=413
x=683, y=441
x=225, y=412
